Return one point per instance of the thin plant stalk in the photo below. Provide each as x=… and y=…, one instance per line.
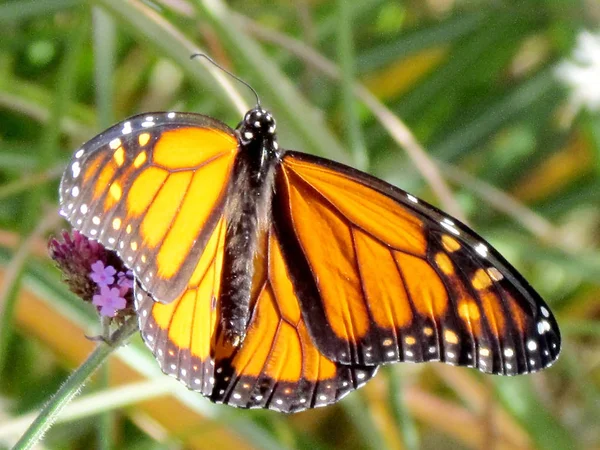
x=73, y=385
x=92, y=404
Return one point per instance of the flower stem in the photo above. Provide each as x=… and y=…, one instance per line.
x=73, y=385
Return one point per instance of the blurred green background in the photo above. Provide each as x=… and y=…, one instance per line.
x=503, y=96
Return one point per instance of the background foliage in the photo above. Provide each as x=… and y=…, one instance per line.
x=474, y=80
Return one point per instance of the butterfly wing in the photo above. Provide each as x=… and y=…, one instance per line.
x=384, y=277
x=180, y=334
x=278, y=366
x=152, y=188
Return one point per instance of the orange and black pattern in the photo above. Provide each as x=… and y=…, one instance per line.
x=180, y=333
x=152, y=188
x=278, y=367
x=394, y=279
x=272, y=279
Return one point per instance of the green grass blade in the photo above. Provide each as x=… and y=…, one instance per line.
x=360, y=416
x=404, y=420
x=144, y=22
x=518, y=398
x=104, y=39
x=12, y=282
x=457, y=143
x=441, y=34
x=352, y=126
x=20, y=10
x=277, y=90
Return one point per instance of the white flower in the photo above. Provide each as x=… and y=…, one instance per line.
x=582, y=73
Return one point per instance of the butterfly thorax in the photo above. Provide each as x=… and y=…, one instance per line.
x=248, y=209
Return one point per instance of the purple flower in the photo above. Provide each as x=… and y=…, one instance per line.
x=74, y=256
x=88, y=268
x=125, y=279
x=109, y=301
x=103, y=275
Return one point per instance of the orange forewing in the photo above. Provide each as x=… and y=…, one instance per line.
x=152, y=188
x=397, y=280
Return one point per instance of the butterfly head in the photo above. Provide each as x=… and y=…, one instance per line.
x=258, y=124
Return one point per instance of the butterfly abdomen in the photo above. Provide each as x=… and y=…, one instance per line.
x=247, y=211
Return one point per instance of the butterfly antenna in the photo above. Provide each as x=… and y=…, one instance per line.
x=214, y=63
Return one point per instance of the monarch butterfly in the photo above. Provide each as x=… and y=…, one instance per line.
x=269, y=278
